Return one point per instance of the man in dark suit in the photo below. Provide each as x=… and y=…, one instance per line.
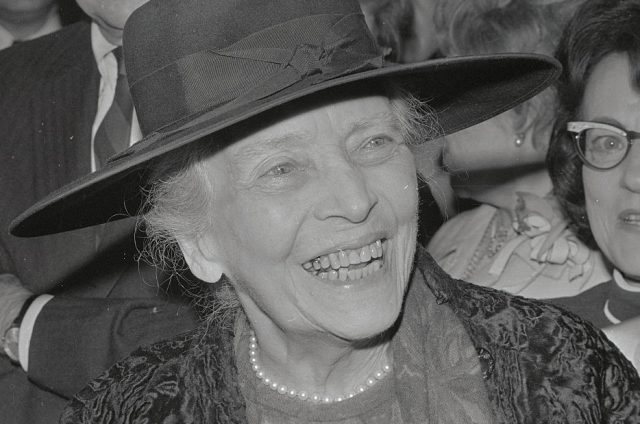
x=56, y=92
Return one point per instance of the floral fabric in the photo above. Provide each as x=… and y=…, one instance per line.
x=527, y=250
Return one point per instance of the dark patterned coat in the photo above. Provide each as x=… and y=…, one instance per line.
x=540, y=365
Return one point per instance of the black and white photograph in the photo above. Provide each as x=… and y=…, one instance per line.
x=320, y=211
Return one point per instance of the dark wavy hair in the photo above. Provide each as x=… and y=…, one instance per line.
x=599, y=28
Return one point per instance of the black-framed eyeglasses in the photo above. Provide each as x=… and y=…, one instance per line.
x=601, y=146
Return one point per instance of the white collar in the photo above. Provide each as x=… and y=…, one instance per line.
x=621, y=282
x=624, y=284
x=6, y=38
x=101, y=47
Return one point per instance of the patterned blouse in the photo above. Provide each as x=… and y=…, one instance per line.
x=526, y=250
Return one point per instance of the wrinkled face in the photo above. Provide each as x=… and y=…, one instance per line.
x=315, y=218
x=111, y=15
x=613, y=197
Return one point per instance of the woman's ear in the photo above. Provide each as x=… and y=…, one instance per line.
x=201, y=259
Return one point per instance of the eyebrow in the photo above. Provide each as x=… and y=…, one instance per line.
x=607, y=120
x=286, y=141
x=384, y=119
x=263, y=147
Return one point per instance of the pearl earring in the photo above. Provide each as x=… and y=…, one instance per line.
x=519, y=140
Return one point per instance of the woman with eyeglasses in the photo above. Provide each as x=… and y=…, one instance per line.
x=516, y=239
x=594, y=158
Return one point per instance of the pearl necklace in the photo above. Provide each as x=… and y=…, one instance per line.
x=302, y=394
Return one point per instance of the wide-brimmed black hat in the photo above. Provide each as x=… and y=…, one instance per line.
x=196, y=67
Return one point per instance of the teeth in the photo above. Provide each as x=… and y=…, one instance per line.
x=335, y=262
x=365, y=255
x=354, y=257
x=355, y=274
x=344, y=260
x=341, y=265
x=376, y=265
x=343, y=274
x=631, y=218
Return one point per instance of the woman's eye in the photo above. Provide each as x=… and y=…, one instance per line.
x=280, y=170
x=376, y=149
x=608, y=144
x=283, y=176
x=378, y=142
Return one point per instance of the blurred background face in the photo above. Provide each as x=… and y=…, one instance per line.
x=111, y=15
x=481, y=147
x=17, y=11
x=613, y=197
x=423, y=43
x=25, y=6
x=480, y=157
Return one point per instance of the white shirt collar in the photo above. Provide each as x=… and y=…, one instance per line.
x=624, y=284
x=6, y=38
x=101, y=47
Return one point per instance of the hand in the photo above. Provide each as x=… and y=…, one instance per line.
x=12, y=296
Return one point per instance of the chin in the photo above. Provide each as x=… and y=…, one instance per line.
x=368, y=326
x=629, y=267
x=624, y=255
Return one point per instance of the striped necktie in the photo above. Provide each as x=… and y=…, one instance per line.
x=114, y=132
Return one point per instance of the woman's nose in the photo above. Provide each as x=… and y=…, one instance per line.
x=347, y=195
x=631, y=172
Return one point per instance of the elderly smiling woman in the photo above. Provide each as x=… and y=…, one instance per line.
x=278, y=161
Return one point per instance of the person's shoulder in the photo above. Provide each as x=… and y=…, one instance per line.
x=459, y=236
x=46, y=55
x=538, y=350
x=552, y=349
x=189, y=378
x=149, y=380
x=528, y=320
x=506, y=321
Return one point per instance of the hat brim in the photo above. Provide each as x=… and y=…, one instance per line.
x=462, y=91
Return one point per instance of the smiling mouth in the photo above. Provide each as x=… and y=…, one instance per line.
x=631, y=219
x=349, y=264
